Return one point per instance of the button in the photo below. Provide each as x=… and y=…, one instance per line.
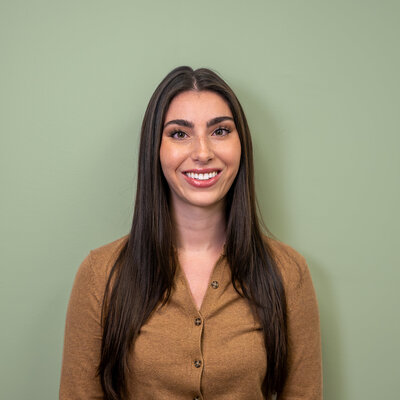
x=197, y=363
x=214, y=284
x=197, y=321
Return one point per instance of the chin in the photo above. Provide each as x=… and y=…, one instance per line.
x=204, y=203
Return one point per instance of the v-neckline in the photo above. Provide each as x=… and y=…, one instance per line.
x=216, y=274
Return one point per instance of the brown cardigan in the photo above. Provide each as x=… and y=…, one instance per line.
x=182, y=353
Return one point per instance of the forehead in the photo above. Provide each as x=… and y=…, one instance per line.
x=197, y=106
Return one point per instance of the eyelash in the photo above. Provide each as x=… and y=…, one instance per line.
x=221, y=128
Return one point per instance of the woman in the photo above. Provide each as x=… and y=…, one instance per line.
x=195, y=303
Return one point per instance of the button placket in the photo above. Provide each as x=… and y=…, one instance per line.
x=198, y=320
x=196, y=357
x=215, y=287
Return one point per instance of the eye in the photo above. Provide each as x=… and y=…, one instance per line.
x=178, y=135
x=221, y=131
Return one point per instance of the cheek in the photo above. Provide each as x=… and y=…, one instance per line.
x=164, y=161
x=232, y=154
x=170, y=158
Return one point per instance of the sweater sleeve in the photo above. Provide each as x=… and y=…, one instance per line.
x=305, y=364
x=82, y=339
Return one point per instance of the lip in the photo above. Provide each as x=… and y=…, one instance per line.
x=202, y=184
x=202, y=170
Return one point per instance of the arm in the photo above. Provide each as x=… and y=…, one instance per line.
x=305, y=365
x=82, y=340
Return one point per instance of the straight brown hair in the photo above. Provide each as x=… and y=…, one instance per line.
x=143, y=274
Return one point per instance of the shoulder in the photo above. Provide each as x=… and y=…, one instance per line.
x=291, y=264
x=104, y=257
x=95, y=269
x=297, y=281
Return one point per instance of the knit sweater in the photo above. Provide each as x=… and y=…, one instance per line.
x=181, y=352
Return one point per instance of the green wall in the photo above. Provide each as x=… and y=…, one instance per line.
x=320, y=84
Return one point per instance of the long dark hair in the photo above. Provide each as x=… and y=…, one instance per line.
x=143, y=274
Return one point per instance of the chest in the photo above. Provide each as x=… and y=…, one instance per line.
x=197, y=271
x=214, y=352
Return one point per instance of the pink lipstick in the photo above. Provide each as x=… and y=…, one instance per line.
x=202, y=178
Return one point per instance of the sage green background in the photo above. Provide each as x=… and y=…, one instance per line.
x=320, y=84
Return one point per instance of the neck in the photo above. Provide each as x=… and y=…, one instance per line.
x=199, y=229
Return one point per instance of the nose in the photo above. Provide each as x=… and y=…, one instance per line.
x=202, y=150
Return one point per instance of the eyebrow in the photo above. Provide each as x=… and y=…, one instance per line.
x=217, y=120
x=188, y=124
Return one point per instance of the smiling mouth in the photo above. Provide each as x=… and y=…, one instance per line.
x=202, y=176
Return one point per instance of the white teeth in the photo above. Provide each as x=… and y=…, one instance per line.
x=201, y=177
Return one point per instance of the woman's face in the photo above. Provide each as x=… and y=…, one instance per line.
x=200, y=149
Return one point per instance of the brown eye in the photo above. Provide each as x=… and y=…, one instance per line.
x=221, y=132
x=178, y=135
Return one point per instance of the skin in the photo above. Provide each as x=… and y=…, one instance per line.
x=198, y=213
